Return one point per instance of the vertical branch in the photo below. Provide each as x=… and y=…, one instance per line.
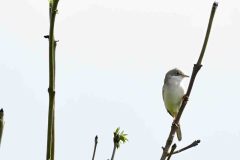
x=1, y=124
x=95, y=147
x=196, y=68
x=51, y=90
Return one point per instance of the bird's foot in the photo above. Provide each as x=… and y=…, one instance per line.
x=185, y=98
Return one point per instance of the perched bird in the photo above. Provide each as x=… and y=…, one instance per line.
x=173, y=93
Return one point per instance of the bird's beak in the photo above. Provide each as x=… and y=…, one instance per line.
x=185, y=76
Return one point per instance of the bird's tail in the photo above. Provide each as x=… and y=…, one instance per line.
x=179, y=133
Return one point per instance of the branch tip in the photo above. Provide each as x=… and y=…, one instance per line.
x=215, y=4
x=96, y=139
x=174, y=146
x=193, y=144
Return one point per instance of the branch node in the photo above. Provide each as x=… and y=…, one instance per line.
x=55, y=43
x=197, y=67
x=51, y=91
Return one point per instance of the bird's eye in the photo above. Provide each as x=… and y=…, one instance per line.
x=177, y=73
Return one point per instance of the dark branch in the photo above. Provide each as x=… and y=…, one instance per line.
x=193, y=144
x=174, y=146
x=1, y=124
x=196, y=68
x=214, y=7
x=95, y=147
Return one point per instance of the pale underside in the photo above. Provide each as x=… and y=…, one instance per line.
x=172, y=96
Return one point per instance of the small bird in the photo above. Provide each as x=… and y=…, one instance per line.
x=173, y=94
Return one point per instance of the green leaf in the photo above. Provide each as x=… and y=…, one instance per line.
x=119, y=137
x=117, y=130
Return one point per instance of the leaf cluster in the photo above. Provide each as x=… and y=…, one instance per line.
x=119, y=137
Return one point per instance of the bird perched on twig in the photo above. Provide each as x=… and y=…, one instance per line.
x=173, y=94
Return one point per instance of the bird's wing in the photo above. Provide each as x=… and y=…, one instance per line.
x=163, y=100
x=169, y=112
x=163, y=92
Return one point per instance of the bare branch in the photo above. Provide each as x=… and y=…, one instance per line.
x=174, y=146
x=196, y=68
x=193, y=144
x=95, y=146
x=1, y=123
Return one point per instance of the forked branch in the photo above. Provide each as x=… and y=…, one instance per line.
x=196, y=68
x=193, y=144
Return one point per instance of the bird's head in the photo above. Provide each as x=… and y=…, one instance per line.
x=175, y=75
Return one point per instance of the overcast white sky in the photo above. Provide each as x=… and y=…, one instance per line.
x=111, y=60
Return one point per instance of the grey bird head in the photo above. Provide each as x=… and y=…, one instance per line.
x=174, y=74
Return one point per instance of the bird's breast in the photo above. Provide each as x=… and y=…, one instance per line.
x=172, y=96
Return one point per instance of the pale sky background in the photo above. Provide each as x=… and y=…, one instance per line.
x=112, y=57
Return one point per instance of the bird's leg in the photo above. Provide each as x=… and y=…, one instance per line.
x=174, y=123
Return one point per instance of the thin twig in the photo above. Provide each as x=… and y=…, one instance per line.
x=95, y=146
x=193, y=144
x=196, y=68
x=114, y=150
x=174, y=146
x=1, y=123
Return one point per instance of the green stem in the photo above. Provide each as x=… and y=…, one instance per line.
x=51, y=89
